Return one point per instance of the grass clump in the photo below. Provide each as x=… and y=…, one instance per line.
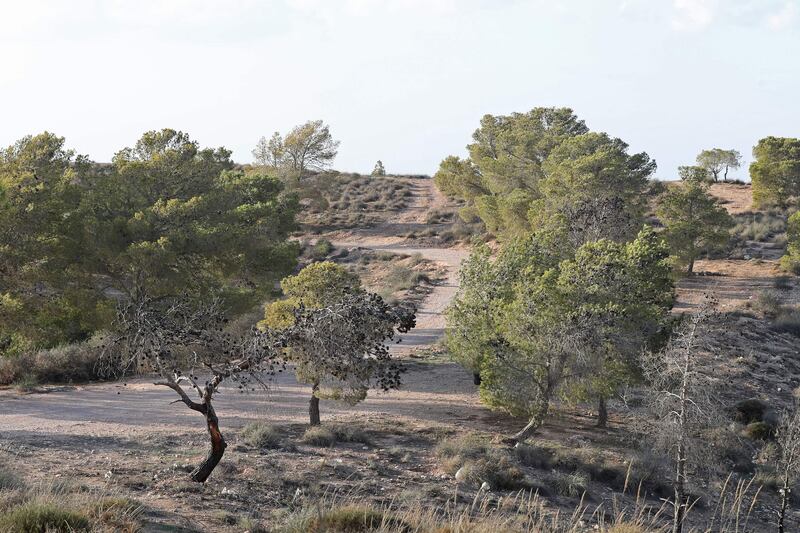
x=329, y=435
x=768, y=303
x=9, y=479
x=348, y=518
x=36, y=517
x=260, y=435
x=319, y=436
x=473, y=461
x=573, y=484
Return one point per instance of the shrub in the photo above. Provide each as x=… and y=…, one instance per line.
x=35, y=517
x=768, y=303
x=783, y=283
x=319, y=436
x=260, y=435
x=759, y=431
x=322, y=249
x=77, y=362
x=26, y=382
x=479, y=463
x=350, y=433
x=788, y=322
x=750, y=410
x=572, y=485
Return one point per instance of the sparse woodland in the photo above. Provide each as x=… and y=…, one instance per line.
x=540, y=337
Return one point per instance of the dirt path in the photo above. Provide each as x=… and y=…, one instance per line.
x=436, y=393
x=389, y=238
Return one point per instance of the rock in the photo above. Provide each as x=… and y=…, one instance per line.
x=461, y=474
x=485, y=486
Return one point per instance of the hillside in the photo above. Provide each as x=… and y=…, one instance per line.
x=402, y=445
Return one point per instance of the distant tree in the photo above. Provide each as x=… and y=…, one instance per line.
x=341, y=349
x=791, y=260
x=156, y=335
x=694, y=173
x=787, y=460
x=717, y=161
x=694, y=221
x=309, y=147
x=379, y=170
x=682, y=405
x=775, y=173
x=269, y=153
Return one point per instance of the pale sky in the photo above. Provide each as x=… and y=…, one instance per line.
x=405, y=81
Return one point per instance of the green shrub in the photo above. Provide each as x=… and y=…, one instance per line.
x=35, y=517
x=322, y=249
x=260, y=435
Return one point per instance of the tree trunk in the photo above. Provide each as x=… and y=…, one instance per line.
x=476, y=378
x=218, y=446
x=691, y=266
x=313, y=406
x=680, y=504
x=533, y=425
x=602, y=413
x=785, y=493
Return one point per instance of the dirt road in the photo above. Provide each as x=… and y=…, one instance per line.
x=442, y=392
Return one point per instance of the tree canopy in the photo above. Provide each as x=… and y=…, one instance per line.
x=166, y=218
x=546, y=166
x=775, y=173
x=535, y=327
x=717, y=161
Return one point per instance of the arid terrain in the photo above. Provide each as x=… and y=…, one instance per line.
x=130, y=439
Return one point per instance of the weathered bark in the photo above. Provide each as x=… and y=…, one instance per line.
x=691, y=266
x=786, y=491
x=680, y=494
x=313, y=406
x=533, y=425
x=602, y=413
x=476, y=378
x=218, y=445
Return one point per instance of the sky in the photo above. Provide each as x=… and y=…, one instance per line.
x=404, y=81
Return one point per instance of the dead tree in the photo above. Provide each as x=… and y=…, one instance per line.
x=683, y=406
x=175, y=340
x=787, y=438
x=342, y=351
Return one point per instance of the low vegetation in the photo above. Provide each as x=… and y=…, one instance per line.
x=332, y=200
